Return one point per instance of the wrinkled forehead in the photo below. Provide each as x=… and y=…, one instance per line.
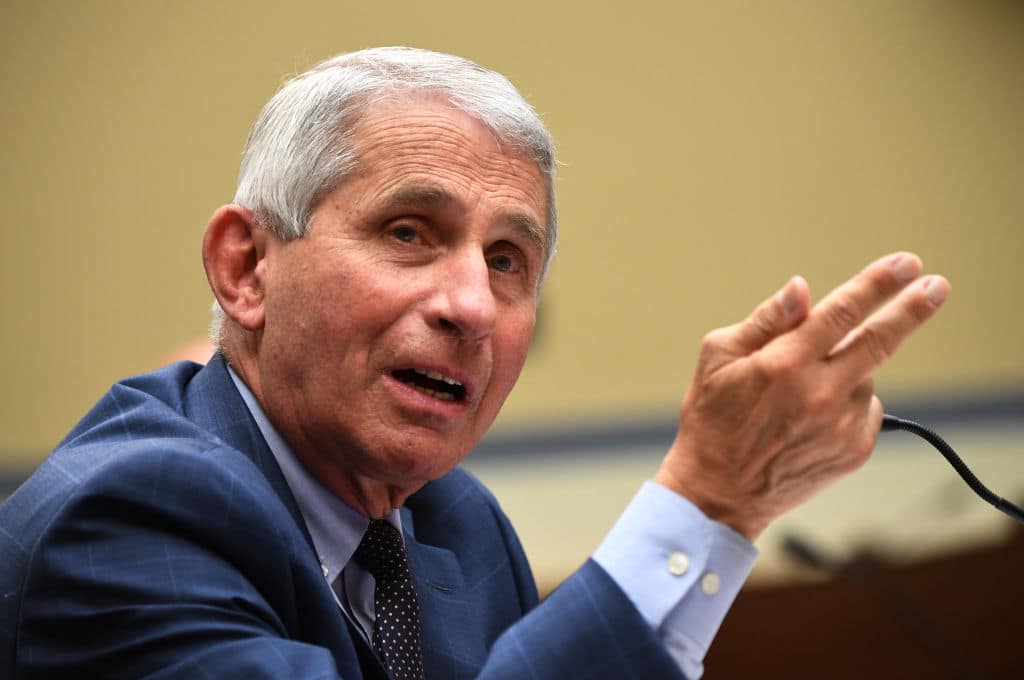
x=411, y=100
x=512, y=137
x=394, y=108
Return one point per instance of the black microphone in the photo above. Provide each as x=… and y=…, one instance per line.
x=890, y=422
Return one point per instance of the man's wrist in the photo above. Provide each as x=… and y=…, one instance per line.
x=716, y=506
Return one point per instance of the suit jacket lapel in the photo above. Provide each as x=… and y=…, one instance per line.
x=444, y=603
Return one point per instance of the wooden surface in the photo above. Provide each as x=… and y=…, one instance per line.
x=955, y=617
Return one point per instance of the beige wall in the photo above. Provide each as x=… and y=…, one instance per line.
x=710, y=150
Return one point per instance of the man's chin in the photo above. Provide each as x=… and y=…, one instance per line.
x=433, y=455
x=422, y=465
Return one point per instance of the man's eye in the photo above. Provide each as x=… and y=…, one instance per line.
x=404, y=234
x=503, y=263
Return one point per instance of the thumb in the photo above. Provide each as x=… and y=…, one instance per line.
x=773, y=317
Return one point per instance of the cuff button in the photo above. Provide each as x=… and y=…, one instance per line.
x=709, y=584
x=678, y=563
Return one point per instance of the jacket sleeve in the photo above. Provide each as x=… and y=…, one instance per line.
x=588, y=627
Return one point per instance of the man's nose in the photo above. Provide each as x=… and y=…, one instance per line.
x=464, y=304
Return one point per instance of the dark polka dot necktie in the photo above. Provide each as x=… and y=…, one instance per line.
x=396, y=632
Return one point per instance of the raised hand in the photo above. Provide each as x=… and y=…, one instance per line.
x=782, y=404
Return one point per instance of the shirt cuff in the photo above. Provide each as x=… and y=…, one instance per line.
x=680, y=569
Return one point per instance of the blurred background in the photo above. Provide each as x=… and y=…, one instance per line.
x=708, y=152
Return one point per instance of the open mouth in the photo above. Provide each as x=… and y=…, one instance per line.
x=432, y=384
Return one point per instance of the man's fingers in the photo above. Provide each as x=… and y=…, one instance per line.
x=868, y=347
x=846, y=307
x=774, y=316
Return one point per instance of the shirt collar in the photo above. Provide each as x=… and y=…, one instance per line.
x=335, y=528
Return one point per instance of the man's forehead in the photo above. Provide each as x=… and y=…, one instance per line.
x=423, y=114
x=410, y=107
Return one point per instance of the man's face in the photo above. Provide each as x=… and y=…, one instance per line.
x=397, y=326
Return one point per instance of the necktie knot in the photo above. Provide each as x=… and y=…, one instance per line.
x=382, y=552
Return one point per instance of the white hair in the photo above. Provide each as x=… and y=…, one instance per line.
x=300, y=147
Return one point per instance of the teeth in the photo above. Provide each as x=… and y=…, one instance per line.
x=434, y=375
x=443, y=396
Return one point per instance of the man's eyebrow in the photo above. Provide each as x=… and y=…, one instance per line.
x=429, y=195
x=526, y=225
x=419, y=195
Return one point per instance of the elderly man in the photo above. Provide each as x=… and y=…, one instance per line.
x=295, y=509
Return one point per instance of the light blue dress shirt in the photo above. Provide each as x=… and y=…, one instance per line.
x=681, y=569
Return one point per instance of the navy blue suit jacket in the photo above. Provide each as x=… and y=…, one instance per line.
x=159, y=539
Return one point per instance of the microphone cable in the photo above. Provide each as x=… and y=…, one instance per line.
x=890, y=422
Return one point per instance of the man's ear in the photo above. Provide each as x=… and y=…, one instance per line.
x=234, y=252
